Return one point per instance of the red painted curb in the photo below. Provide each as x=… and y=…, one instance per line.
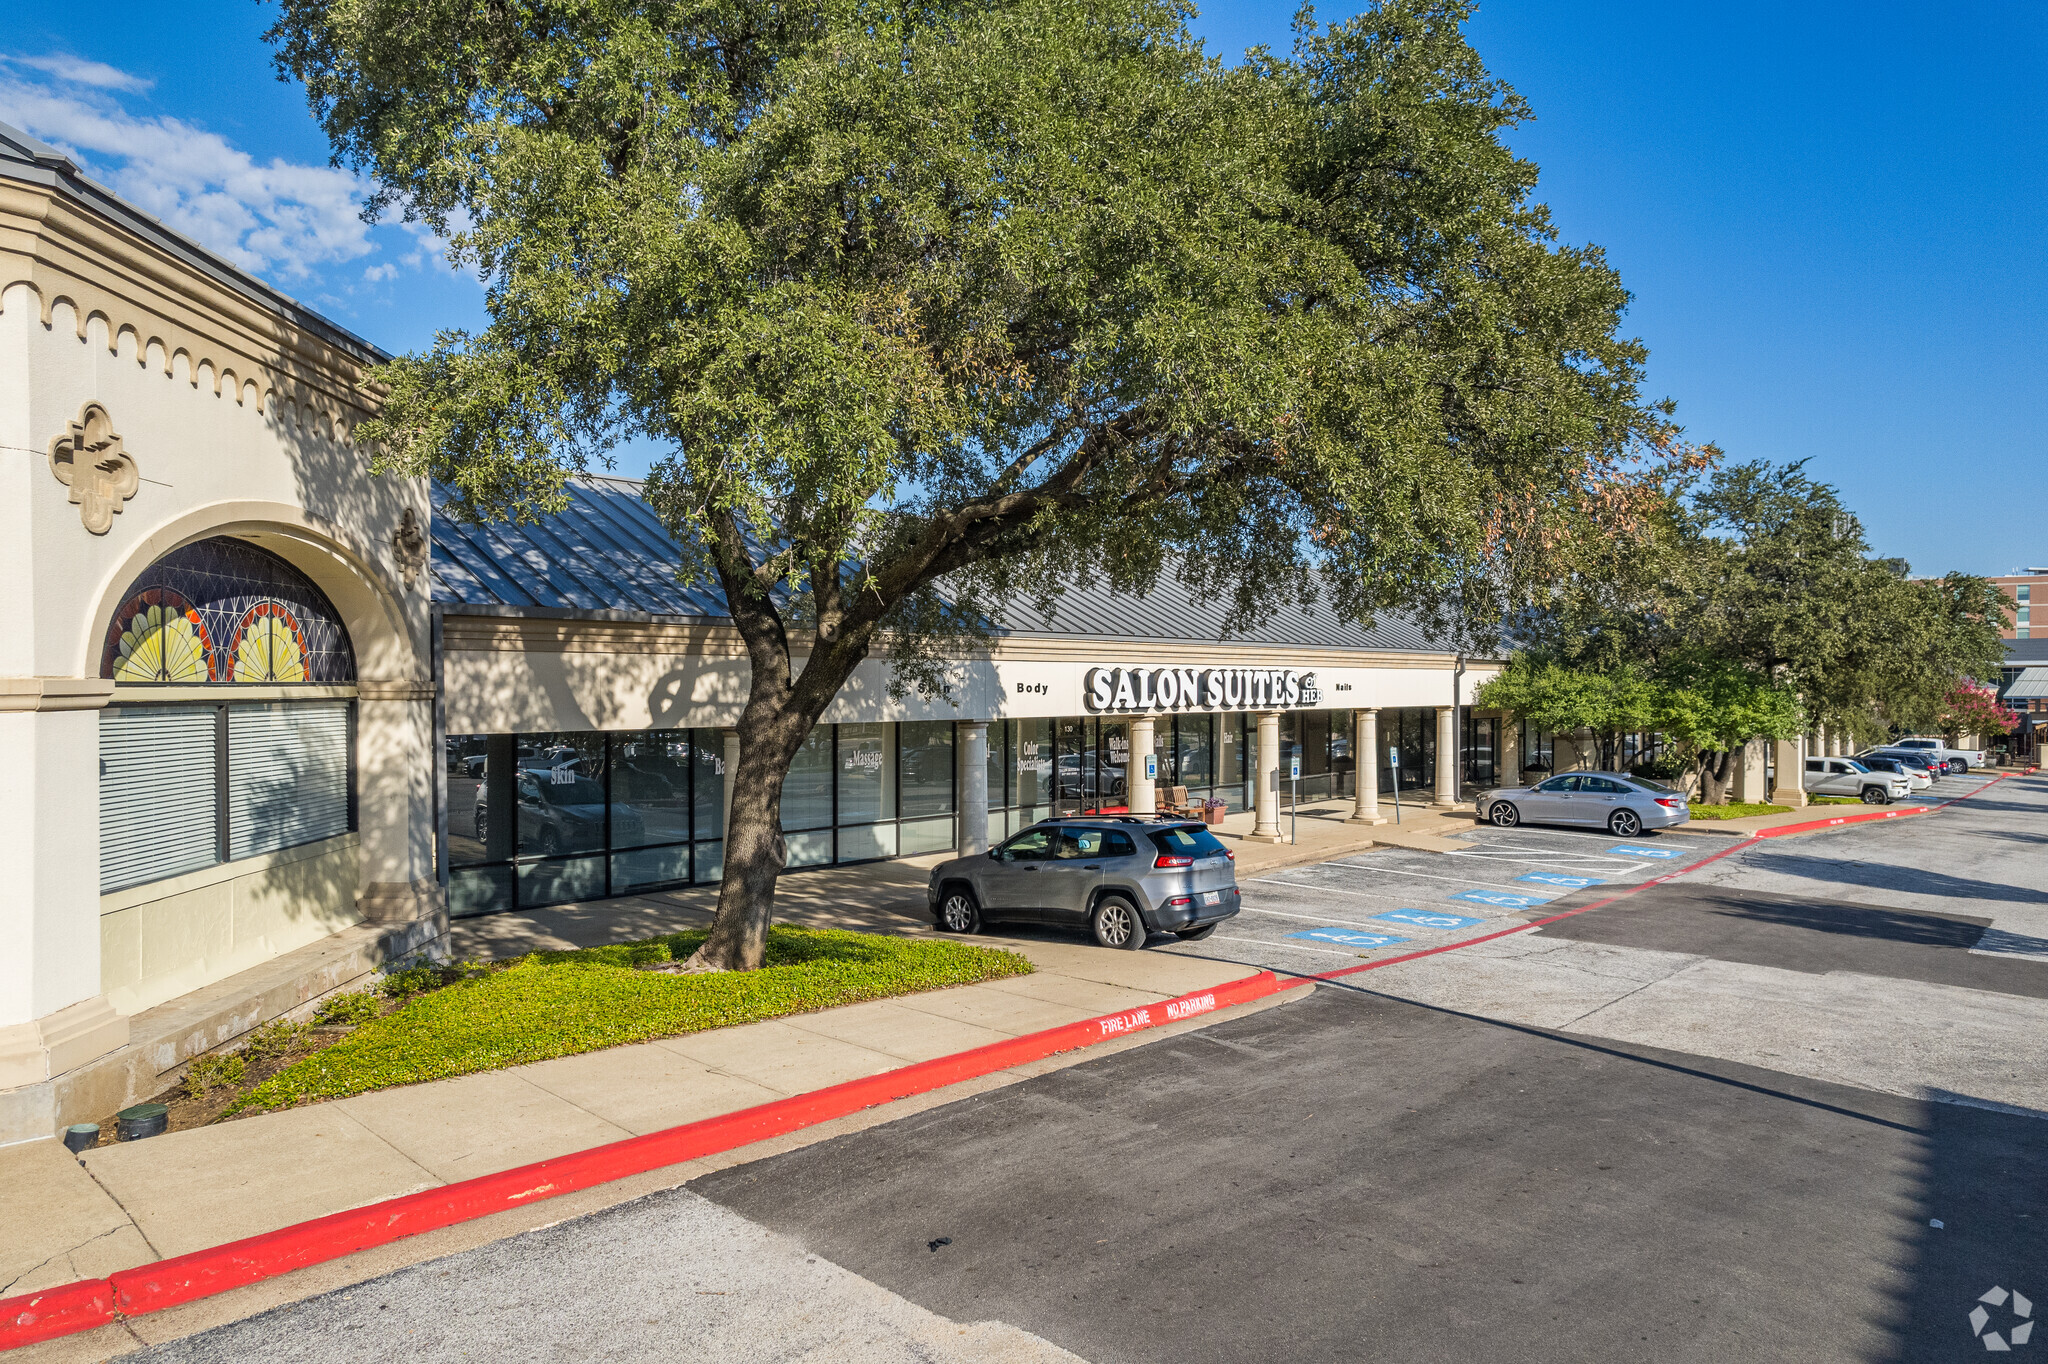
x=152, y=1288
x=55, y=1312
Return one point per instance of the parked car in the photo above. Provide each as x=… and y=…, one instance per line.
x=1959, y=759
x=1123, y=877
x=1624, y=805
x=1847, y=777
x=1915, y=760
x=1918, y=778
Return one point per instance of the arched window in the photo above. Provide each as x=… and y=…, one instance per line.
x=190, y=781
x=222, y=610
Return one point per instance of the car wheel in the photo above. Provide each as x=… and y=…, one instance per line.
x=1875, y=796
x=483, y=828
x=550, y=842
x=1116, y=923
x=1624, y=824
x=1195, y=934
x=1503, y=815
x=958, y=911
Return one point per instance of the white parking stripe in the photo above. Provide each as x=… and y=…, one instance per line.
x=1377, y=926
x=1547, y=832
x=1292, y=947
x=1455, y=880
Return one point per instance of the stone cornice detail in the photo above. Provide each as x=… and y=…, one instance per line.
x=140, y=301
x=55, y=693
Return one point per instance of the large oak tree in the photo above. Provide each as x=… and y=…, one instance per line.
x=936, y=304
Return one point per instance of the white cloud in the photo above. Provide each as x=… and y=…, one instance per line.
x=65, y=67
x=281, y=219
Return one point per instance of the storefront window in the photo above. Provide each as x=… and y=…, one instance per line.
x=1232, y=759
x=1538, y=749
x=925, y=781
x=1194, y=738
x=867, y=792
x=1479, y=750
x=807, y=791
x=1032, y=789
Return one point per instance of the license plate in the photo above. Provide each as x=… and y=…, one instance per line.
x=1210, y=897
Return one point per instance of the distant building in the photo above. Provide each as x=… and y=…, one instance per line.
x=2023, y=677
x=2025, y=589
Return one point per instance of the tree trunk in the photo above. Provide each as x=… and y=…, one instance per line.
x=1714, y=777
x=770, y=736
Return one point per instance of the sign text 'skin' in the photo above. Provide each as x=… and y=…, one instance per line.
x=1148, y=689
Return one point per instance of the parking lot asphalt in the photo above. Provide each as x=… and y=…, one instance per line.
x=1389, y=901
x=1763, y=1113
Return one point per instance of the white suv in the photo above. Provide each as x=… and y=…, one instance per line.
x=1958, y=759
x=1847, y=777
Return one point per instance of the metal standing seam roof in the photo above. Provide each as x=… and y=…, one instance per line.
x=608, y=555
x=2030, y=685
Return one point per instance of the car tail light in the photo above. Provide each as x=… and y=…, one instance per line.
x=1229, y=854
x=1180, y=901
x=1171, y=860
x=1668, y=803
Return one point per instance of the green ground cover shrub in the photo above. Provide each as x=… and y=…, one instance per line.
x=561, y=1003
x=207, y=1071
x=1835, y=800
x=345, y=1011
x=1736, y=810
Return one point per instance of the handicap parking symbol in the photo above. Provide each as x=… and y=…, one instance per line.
x=1631, y=850
x=1502, y=899
x=1551, y=878
x=1348, y=937
x=1422, y=918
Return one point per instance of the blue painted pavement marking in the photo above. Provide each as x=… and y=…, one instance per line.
x=1631, y=850
x=1348, y=937
x=1502, y=899
x=1422, y=918
x=1551, y=878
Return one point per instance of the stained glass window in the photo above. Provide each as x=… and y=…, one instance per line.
x=223, y=610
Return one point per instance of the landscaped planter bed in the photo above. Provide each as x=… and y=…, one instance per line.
x=434, y=1023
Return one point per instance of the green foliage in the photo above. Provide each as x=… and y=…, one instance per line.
x=205, y=1072
x=412, y=980
x=280, y=1037
x=560, y=1003
x=1834, y=800
x=1736, y=809
x=941, y=307
x=359, y=1006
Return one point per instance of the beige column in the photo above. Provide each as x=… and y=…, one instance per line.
x=732, y=767
x=1746, y=782
x=395, y=803
x=1507, y=752
x=1143, y=791
x=970, y=751
x=1266, y=780
x=1789, y=756
x=1446, y=756
x=1366, y=751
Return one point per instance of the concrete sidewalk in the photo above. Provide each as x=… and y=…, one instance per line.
x=128, y=1204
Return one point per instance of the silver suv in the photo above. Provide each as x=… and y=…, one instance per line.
x=1122, y=877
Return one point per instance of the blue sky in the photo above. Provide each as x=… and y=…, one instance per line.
x=1831, y=216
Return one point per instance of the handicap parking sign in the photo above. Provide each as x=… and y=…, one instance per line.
x=1501, y=899
x=1348, y=937
x=1424, y=919
x=1631, y=850
x=1551, y=878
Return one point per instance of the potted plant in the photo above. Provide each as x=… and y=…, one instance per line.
x=1213, y=810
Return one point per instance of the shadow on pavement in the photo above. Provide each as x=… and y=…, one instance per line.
x=1887, y=876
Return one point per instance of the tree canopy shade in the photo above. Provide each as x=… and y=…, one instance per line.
x=939, y=304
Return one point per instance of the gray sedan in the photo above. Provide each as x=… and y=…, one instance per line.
x=1621, y=804
x=1121, y=877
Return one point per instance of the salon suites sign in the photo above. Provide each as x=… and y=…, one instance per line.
x=1149, y=689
